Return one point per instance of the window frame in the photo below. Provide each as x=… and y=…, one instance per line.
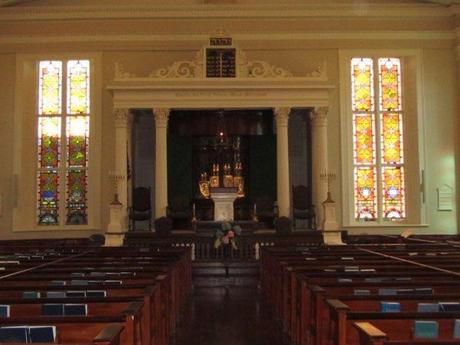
x=346, y=120
x=25, y=186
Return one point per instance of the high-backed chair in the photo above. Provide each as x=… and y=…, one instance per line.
x=266, y=211
x=141, y=209
x=179, y=211
x=301, y=206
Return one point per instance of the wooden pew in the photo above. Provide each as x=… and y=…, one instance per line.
x=371, y=335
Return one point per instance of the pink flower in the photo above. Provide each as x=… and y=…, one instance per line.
x=230, y=234
x=225, y=240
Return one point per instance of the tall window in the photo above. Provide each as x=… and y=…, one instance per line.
x=63, y=138
x=378, y=158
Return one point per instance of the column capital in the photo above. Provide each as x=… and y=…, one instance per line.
x=122, y=117
x=319, y=116
x=281, y=116
x=161, y=117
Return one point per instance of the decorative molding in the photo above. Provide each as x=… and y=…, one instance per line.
x=259, y=69
x=246, y=69
x=282, y=116
x=319, y=116
x=120, y=72
x=182, y=69
x=179, y=41
x=161, y=117
x=122, y=117
x=264, y=11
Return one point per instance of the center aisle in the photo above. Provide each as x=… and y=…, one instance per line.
x=227, y=316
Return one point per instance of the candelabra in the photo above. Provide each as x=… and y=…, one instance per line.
x=116, y=180
x=328, y=177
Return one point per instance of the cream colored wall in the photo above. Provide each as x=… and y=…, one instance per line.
x=440, y=114
x=299, y=54
x=7, y=82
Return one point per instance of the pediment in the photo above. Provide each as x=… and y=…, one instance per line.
x=231, y=64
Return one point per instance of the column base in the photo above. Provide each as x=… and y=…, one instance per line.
x=115, y=233
x=333, y=238
x=114, y=239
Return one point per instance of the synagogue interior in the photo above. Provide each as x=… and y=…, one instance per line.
x=204, y=172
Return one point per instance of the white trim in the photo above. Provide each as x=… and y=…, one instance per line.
x=347, y=138
x=445, y=35
x=25, y=210
x=301, y=11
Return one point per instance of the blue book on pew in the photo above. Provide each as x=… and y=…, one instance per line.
x=14, y=334
x=77, y=275
x=426, y=329
x=344, y=280
x=361, y=292
x=390, y=307
x=53, y=309
x=30, y=294
x=373, y=280
x=387, y=292
x=57, y=283
x=457, y=329
x=55, y=294
x=75, y=293
x=42, y=334
x=4, y=310
x=75, y=309
x=96, y=293
x=428, y=307
x=78, y=282
x=449, y=306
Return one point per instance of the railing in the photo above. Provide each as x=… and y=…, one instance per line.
x=203, y=244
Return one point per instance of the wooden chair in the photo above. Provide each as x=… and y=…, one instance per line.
x=141, y=209
x=301, y=206
x=265, y=209
x=179, y=211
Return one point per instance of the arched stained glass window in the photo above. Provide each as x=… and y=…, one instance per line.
x=378, y=155
x=63, y=142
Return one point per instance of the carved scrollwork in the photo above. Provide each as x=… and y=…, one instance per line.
x=182, y=69
x=120, y=72
x=320, y=72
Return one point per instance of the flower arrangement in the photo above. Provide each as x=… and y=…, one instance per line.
x=227, y=234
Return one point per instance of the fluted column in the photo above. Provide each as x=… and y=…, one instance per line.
x=161, y=161
x=122, y=124
x=319, y=159
x=282, y=157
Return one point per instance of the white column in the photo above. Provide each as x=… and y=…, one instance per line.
x=161, y=161
x=122, y=128
x=319, y=160
x=282, y=158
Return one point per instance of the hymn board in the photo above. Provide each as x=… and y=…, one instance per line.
x=220, y=58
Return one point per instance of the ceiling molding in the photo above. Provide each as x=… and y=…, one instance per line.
x=241, y=37
x=326, y=11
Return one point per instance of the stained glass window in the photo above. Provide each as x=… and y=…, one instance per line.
x=63, y=141
x=378, y=164
x=50, y=87
x=78, y=87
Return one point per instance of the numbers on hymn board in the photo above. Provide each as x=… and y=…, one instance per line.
x=220, y=63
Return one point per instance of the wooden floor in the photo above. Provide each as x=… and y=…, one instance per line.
x=227, y=316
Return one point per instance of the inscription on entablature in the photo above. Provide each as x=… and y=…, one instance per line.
x=220, y=93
